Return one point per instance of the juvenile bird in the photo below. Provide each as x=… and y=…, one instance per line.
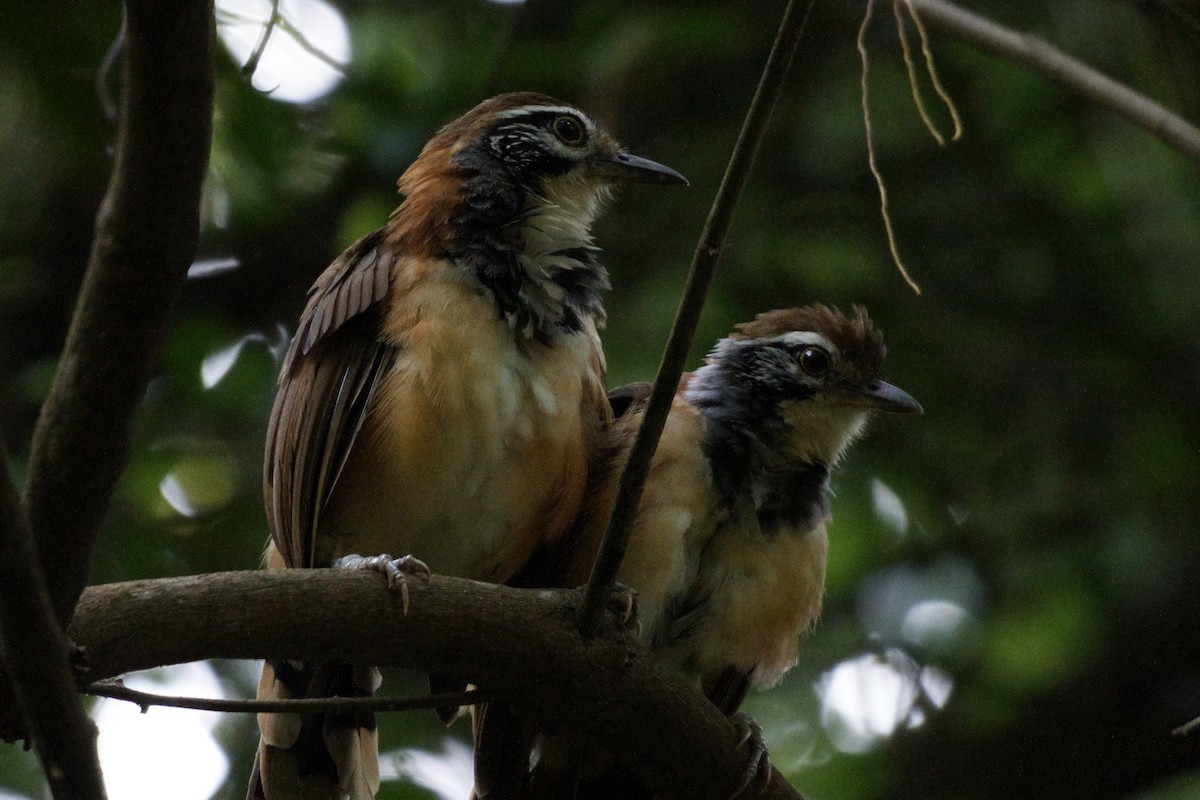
x=444, y=393
x=727, y=554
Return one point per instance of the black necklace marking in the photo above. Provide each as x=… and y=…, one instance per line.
x=489, y=246
x=740, y=398
x=795, y=498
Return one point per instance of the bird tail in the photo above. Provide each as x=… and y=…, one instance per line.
x=503, y=744
x=320, y=756
x=571, y=765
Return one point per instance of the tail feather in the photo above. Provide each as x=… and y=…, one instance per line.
x=281, y=680
x=255, y=790
x=355, y=751
x=328, y=756
x=439, y=684
x=503, y=744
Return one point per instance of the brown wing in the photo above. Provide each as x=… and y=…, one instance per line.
x=568, y=561
x=325, y=387
x=629, y=397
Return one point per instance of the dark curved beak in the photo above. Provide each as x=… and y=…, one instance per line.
x=625, y=168
x=883, y=396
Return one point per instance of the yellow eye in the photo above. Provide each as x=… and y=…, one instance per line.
x=569, y=131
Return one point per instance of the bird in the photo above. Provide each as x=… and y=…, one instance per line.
x=443, y=396
x=728, y=546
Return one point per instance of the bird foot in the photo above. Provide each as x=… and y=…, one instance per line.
x=623, y=603
x=758, y=768
x=396, y=570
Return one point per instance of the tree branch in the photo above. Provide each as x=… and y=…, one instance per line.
x=115, y=690
x=1186, y=728
x=146, y=232
x=36, y=658
x=1051, y=63
x=687, y=316
x=522, y=646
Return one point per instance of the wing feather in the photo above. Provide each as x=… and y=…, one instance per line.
x=353, y=293
x=328, y=379
x=332, y=302
x=628, y=398
x=341, y=304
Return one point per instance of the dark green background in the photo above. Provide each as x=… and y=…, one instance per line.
x=1050, y=488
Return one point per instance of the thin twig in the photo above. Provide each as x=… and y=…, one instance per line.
x=931, y=68
x=312, y=49
x=107, y=66
x=913, y=82
x=1048, y=61
x=1186, y=728
x=506, y=40
x=251, y=65
x=115, y=690
x=866, y=109
x=37, y=659
x=687, y=316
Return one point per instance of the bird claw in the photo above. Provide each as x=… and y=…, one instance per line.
x=396, y=570
x=758, y=768
x=623, y=602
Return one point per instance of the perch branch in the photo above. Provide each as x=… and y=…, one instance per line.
x=687, y=316
x=145, y=238
x=521, y=646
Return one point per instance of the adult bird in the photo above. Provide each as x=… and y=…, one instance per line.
x=727, y=553
x=443, y=397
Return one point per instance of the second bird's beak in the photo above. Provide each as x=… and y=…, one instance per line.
x=625, y=168
x=883, y=396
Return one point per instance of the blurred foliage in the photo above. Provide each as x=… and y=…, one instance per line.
x=1032, y=540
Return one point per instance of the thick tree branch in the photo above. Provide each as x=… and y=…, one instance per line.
x=145, y=238
x=36, y=659
x=687, y=316
x=523, y=646
x=1051, y=63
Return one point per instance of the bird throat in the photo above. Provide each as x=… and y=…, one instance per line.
x=531, y=251
x=745, y=444
x=558, y=277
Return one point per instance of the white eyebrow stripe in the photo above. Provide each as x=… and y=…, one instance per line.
x=522, y=110
x=801, y=338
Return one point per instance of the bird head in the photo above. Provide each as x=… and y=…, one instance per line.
x=802, y=381
x=488, y=165
x=538, y=139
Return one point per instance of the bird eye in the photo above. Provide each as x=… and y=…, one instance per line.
x=569, y=131
x=814, y=361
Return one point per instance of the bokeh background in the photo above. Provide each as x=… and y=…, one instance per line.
x=1013, y=603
